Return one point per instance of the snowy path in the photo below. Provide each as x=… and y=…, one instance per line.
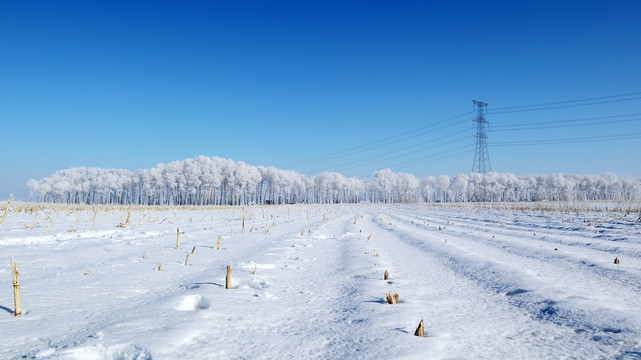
x=496, y=288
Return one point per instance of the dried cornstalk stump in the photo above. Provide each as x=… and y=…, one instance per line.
x=386, y=276
x=6, y=211
x=420, y=330
x=617, y=261
x=228, y=278
x=177, y=238
x=16, y=288
x=128, y=217
x=370, y=237
x=392, y=298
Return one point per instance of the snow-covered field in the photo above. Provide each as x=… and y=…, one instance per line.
x=489, y=282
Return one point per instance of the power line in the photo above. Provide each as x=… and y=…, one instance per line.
x=376, y=158
x=567, y=101
x=430, y=159
x=378, y=143
x=570, y=140
x=570, y=125
x=398, y=147
x=388, y=144
x=565, y=121
x=424, y=160
x=564, y=106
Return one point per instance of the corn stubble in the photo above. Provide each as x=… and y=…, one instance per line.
x=16, y=288
x=392, y=298
x=420, y=330
x=228, y=277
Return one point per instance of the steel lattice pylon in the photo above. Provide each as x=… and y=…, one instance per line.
x=481, y=156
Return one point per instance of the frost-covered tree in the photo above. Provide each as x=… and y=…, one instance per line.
x=217, y=181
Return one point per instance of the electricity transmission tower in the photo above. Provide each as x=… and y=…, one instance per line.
x=481, y=156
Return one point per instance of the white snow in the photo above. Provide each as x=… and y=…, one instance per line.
x=487, y=281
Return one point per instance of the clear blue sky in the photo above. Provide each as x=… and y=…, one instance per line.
x=122, y=85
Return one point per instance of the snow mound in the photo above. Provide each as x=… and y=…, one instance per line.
x=322, y=236
x=44, y=353
x=193, y=302
x=114, y=352
x=253, y=265
x=265, y=295
x=29, y=240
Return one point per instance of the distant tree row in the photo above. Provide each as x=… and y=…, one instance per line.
x=216, y=181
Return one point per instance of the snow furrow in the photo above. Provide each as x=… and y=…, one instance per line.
x=537, y=295
x=307, y=282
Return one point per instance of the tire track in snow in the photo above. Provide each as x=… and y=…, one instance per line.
x=324, y=289
x=565, y=263
x=131, y=311
x=333, y=293
x=464, y=319
x=604, y=327
x=565, y=234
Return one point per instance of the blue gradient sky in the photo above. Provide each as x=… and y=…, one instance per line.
x=122, y=85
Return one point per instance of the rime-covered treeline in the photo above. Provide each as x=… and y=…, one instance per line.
x=217, y=181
